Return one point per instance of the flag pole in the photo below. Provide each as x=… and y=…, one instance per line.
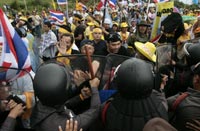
x=104, y=11
x=25, y=5
x=147, y=8
x=54, y=5
x=67, y=16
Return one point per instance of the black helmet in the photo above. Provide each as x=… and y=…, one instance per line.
x=192, y=50
x=52, y=84
x=135, y=79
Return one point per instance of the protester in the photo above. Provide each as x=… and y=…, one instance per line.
x=145, y=51
x=79, y=30
x=106, y=28
x=83, y=60
x=37, y=21
x=114, y=46
x=64, y=47
x=10, y=109
x=16, y=110
x=140, y=35
x=99, y=43
x=124, y=33
x=49, y=39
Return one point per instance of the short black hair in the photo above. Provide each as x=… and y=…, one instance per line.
x=48, y=23
x=68, y=35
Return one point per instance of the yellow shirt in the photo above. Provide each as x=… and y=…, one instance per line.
x=64, y=60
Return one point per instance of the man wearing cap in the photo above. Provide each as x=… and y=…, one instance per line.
x=97, y=15
x=106, y=28
x=115, y=27
x=124, y=34
x=133, y=25
x=88, y=30
x=114, y=46
x=22, y=21
x=84, y=63
x=79, y=30
x=140, y=35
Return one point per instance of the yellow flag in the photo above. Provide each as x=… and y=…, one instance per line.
x=162, y=11
x=78, y=6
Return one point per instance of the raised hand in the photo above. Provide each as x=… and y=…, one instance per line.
x=71, y=125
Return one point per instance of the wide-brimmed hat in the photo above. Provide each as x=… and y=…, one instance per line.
x=143, y=23
x=148, y=50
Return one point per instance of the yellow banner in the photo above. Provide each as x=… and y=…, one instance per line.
x=163, y=9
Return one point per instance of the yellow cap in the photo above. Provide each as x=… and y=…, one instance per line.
x=90, y=23
x=124, y=24
x=23, y=18
x=115, y=23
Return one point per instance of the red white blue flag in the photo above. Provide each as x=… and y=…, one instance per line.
x=13, y=52
x=157, y=1
x=57, y=15
x=111, y=3
x=62, y=2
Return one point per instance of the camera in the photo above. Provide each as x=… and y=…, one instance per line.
x=16, y=99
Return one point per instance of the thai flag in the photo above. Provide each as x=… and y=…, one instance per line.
x=57, y=15
x=157, y=1
x=62, y=2
x=100, y=5
x=13, y=52
x=84, y=7
x=112, y=3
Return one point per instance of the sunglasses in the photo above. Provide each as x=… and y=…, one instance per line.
x=114, y=37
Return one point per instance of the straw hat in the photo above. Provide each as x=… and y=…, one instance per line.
x=148, y=50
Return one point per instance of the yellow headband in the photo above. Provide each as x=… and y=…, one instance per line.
x=97, y=30
x=62, y=30
x=76, y=18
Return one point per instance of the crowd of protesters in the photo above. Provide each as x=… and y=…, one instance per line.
x=157, y=86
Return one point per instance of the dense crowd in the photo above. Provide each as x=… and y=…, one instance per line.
x=94, y=72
